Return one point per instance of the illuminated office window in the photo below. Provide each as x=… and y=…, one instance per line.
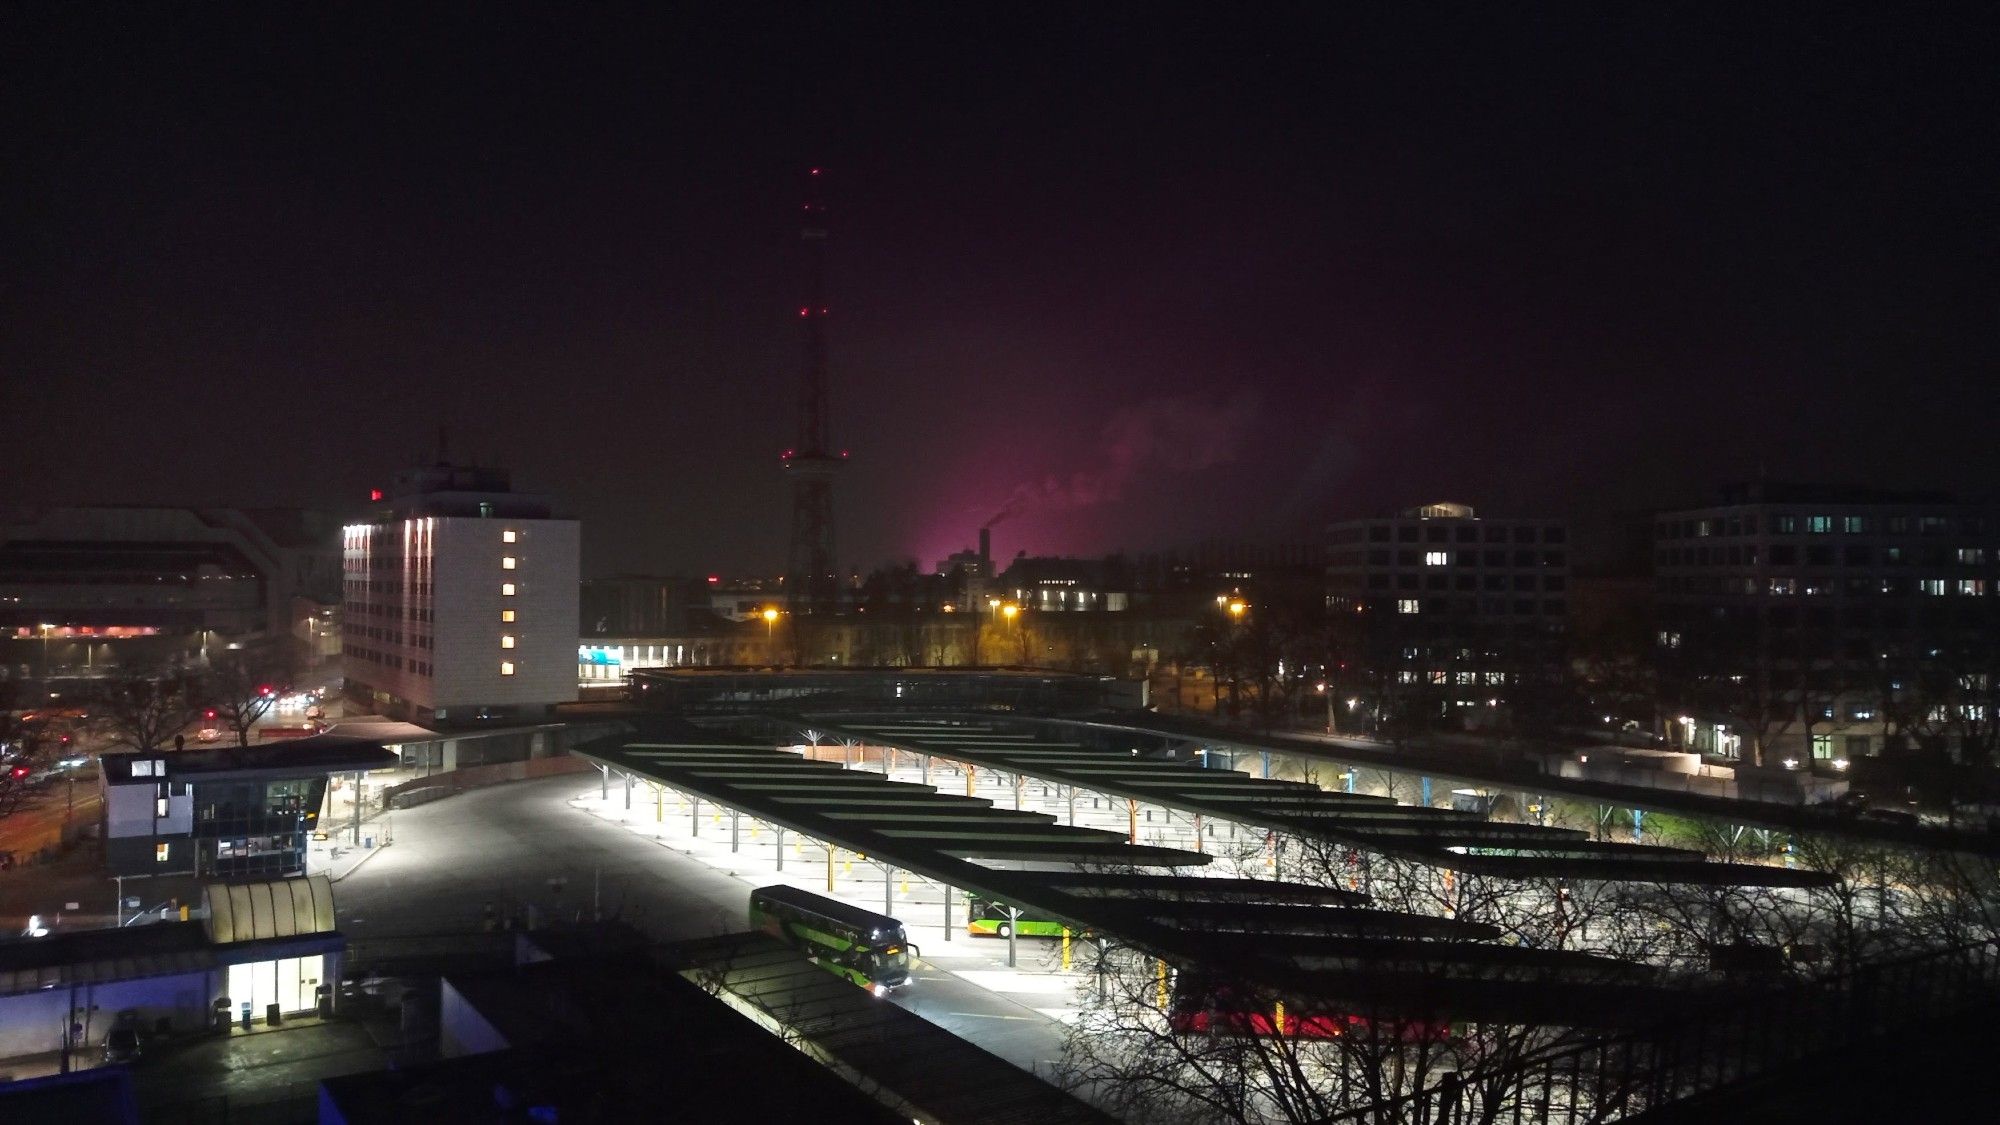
x=506, y=667
x=506, y=589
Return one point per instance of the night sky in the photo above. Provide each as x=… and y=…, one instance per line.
x=1133, y=278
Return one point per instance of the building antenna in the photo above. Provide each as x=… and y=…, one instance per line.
x=812, y=582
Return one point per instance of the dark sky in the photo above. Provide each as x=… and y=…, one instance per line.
x=1138, y=276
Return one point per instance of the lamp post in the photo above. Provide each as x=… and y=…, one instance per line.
x=1011, y=612
x=1237, y=607
x=770, y=616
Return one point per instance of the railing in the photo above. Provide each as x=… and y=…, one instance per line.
x=1710, y=1049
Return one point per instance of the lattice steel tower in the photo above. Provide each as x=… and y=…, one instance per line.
x=812, y=583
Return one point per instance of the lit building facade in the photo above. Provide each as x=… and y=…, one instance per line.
x=1452, y=614
x=461, y=602
x=1815, y=626
x=86, y=587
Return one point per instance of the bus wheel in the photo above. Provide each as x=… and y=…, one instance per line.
x=1006, y=930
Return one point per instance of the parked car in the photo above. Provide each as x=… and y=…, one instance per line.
x=123, y=1045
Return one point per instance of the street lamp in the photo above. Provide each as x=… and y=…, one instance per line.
x=770, y=616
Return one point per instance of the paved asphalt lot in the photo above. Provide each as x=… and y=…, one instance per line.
x=505, y=844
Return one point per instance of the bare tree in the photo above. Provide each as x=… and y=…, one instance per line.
x=244, y=684
x=144, y=708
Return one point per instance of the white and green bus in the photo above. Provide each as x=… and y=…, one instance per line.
x=984, y=917
x=867, y=948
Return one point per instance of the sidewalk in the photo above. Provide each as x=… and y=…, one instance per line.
x=338, y=856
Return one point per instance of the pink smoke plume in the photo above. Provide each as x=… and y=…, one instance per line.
x=1163, y=435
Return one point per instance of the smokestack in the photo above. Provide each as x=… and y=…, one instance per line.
x=986, y=545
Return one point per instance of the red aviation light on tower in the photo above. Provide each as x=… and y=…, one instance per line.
x=374, y=495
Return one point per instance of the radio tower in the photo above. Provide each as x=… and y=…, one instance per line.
x=812, y=585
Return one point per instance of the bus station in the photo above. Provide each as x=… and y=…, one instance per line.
x=905, y=836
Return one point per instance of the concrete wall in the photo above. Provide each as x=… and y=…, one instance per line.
x=469, y=605
x=461, y=1029
x=32, y=1023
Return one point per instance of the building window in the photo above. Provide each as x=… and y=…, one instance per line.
x=1785, y=525
x=1854, y=525
x=142, y=768
x=1932, y=586
x=508, y=536
x=507, y=616
x=1972, y=556
x=1822, y=747
x=161, y=852
x=1437, y=558
x=1972, y=586
x=159, y=806
x=506, y=589
x=506, y=667
x=1406, y=605
x=507, y=562
x=507, y=640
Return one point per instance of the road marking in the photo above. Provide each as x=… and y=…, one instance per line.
x=986, y=1016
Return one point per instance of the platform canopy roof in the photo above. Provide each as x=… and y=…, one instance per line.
x=1157, y=899
x=1452, y=839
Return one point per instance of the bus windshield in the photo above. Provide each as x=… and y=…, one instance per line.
x=890, y=962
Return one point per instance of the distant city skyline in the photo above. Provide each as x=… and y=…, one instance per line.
x=1132, y=279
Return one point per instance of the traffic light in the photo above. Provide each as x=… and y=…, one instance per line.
x=208, y=714
x=264, y=689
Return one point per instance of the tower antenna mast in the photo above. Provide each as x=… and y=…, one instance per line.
x=812, y=584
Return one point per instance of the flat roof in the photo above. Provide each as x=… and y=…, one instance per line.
x=792, y=792
x=301, y=757
x=925, y=1067
x=1441, y=837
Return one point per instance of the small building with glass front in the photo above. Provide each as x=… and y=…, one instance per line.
x=239, y=812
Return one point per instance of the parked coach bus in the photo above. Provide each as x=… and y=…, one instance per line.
x=987, y=918
x=847, y=941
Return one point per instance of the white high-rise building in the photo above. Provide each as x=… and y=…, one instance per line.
x=460, y=601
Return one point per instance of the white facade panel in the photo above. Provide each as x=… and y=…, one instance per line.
x=453, y=614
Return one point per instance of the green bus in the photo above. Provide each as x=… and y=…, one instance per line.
x=867, y=948
x=986, y=918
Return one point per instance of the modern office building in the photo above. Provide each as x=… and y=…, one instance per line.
x=461, y=601
x=240, y=812
x=1453, y=613
x=1821, y=625
x=85, y=587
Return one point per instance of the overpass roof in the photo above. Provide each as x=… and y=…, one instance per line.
x=1260, y=929
x=1445, y=838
